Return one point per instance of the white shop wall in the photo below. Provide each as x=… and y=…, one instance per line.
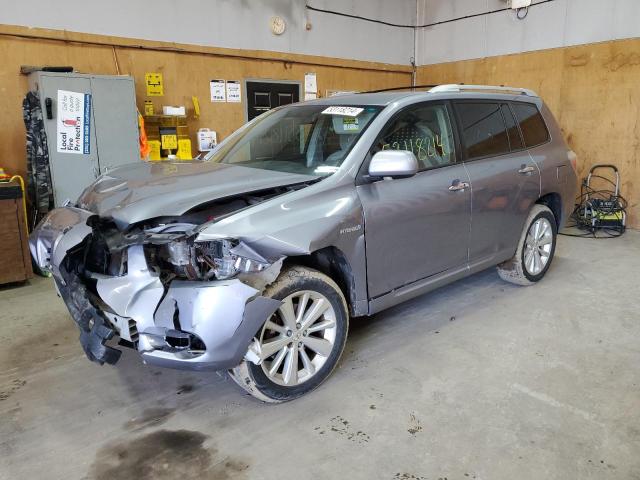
x=245, y=24
x=554, y=24
x=234, y=24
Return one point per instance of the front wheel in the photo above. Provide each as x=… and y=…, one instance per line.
x=301, y=343
x=535, y=251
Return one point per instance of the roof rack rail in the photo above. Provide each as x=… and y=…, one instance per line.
x=482, y=88
x=395, y=89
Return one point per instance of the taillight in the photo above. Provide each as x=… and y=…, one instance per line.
x=573, y=160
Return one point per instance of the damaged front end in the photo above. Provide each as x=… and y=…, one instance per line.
x=180, y=302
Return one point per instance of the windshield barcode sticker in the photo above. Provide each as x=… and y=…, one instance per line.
x=346, y=111
x=350, y=124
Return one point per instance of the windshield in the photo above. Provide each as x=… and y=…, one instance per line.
x=306, y=139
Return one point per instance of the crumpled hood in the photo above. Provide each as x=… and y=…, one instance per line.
x=143, y=190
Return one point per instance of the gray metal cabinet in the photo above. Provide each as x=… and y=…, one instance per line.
x=111, y=138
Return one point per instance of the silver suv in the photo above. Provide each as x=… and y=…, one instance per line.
x=253, y=259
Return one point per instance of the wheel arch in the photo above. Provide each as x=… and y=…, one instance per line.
x=554, y=202
x=334, y=263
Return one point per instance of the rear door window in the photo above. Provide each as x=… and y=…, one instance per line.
x=532, y=125
x=484, y=133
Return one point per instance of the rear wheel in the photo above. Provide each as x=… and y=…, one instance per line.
x=535, y=251
x=301, y=343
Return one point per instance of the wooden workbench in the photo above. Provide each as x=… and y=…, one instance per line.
x=15, y=259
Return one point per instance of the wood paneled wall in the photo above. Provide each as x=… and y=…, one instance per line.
x=187, y=70
x=593, y=90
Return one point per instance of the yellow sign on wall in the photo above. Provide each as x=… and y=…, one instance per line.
x=148, y=107
x=154, y=154
x=155, y=84
x=169, y=142
x=196, y=107
x=184, y=149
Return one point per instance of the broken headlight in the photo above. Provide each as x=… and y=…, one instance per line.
x=217, y=259
x=227, y=258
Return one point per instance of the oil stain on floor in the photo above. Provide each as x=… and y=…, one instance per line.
x=165, y=454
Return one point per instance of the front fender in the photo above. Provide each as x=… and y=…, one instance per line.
x=61, y=230
x=300, y=225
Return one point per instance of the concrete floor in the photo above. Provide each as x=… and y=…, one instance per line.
x=480, y=380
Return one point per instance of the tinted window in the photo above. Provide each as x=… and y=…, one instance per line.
x=424, y=130
x=532, y=124
x=483, y=130
x=515, y=140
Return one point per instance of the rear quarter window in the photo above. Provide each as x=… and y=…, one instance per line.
x=532, y=125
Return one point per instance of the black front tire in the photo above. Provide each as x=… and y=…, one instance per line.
x=252, y=377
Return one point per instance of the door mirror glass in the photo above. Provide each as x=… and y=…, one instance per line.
x=394, y=164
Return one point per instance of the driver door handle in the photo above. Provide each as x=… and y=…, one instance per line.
x=526, y=170
x=458, y=186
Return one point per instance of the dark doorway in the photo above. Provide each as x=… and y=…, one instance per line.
x=263, y=96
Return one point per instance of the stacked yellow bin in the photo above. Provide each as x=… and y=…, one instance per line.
x=168, y=135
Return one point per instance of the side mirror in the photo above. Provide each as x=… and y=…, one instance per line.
x=394, y=164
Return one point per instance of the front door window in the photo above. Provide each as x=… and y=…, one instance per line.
x=424, y=130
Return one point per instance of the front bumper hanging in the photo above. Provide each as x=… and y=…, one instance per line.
x=94, y=330
x=195, y=325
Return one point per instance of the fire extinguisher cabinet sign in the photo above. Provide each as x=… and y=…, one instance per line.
x=74, y=122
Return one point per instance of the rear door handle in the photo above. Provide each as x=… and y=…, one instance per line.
x=458, y=186
x=526, y=170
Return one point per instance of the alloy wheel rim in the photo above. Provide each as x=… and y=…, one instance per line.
x=538, y=245
x=298, y=338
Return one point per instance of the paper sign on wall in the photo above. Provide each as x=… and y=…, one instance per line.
x=310, y=83
x=217, y=88
x=73, y=122
x=155, y=84
x=310, y=96
x=233, y=91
